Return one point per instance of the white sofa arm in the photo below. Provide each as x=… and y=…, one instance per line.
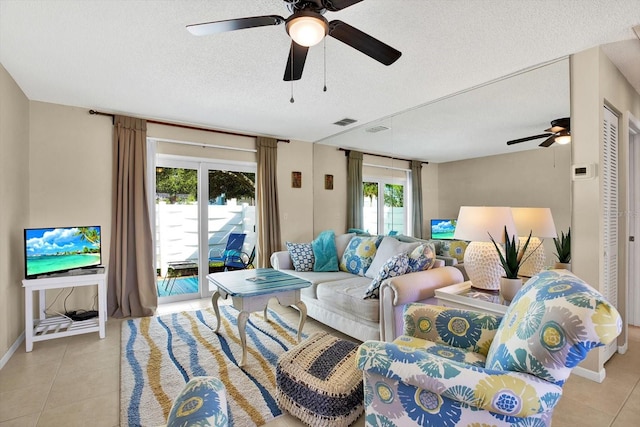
x=281, y=260
x=399, y=291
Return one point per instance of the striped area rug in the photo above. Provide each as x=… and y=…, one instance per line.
x=160, y=354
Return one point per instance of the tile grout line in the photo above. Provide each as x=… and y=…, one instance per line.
x=624, y=403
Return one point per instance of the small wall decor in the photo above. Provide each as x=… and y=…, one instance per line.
x=296, y=179
x=328, y=182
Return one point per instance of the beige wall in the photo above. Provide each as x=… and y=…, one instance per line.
x=70, y=179
x=14, y=213
x=534, y=178
x=329, y=207
x=595, y=82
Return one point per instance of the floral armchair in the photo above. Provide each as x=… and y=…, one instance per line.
x=460, y=367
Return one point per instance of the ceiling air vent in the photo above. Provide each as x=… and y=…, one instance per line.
x=345, y=122
x=377, y=129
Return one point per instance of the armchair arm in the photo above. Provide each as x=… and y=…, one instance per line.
x=398, y=291
x=467, y=329
x=281, y=260
x=512, y=394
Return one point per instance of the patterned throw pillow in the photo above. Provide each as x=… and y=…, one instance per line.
x=301, y=255
x=397, y=265
x=422, y=258
x=388, y=247
x=359, y=254
x=203, y=401
x=550, y=327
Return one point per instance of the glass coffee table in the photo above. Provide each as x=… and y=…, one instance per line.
x=463, y=295
x=251, y=290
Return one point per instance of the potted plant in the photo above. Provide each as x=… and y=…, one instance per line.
x=511, y=260
x=563, y=250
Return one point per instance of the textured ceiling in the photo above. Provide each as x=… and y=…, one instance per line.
x=136, y=57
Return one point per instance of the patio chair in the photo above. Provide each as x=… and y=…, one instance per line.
x=241, y=261
x=232, y=254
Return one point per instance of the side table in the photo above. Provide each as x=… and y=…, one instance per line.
x=46, y=328
x=462, y=295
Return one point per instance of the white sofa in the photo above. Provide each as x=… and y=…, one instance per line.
x=336, y=298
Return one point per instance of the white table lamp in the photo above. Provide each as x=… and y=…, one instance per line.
x=538, y=222
x=481, y=260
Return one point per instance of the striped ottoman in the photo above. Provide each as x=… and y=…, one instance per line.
x=319, y=383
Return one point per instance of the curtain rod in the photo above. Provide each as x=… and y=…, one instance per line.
x=98, y=113
x=346, y=153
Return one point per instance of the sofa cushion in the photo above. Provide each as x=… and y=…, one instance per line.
x=550, y=326
x=317, y=277
x=346, y=296
x=301, y=256
x=359, y=254
x=397, y=265
x=422, y=258
x=325, y=252
x=388, y=247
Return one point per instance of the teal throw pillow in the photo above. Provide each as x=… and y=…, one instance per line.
x=325, y=252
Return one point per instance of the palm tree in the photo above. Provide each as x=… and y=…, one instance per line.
x=89, y=234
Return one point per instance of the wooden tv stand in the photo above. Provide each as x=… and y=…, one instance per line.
x=46, y=328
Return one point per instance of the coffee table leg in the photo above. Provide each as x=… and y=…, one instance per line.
x=214, y=303
x=303, y=316
x=242, y=324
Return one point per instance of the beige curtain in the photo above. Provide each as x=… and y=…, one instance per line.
x=355, y=195
x=132, y=288
x=268, y=217
x=416, y=193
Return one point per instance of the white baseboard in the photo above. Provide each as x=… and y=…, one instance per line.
x=622, y=349
x=597, y=376
x=11, y=350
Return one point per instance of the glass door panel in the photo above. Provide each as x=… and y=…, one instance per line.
x=231, y=210
x=177, y=254
x=394, y=212
x=370, y=209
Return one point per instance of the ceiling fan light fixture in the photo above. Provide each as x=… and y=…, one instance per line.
x=563, y=138
x=307, y=30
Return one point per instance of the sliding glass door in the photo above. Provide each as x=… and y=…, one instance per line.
x=198, y=205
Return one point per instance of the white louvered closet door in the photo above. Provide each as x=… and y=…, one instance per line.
x=610, y=217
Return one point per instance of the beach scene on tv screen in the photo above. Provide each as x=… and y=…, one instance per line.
x=443, y=229
x=58, y=249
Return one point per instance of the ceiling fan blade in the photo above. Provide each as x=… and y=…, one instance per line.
x=216, y=27
x=547, y=142
x=554, y=129
x=295, y=63
x=363, y=42
x=336, y=5
x=529, y=138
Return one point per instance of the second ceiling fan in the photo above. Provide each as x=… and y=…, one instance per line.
x=560, y=132
x=307, y=26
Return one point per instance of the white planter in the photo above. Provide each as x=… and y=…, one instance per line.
x=563, y=265
x=509, y=288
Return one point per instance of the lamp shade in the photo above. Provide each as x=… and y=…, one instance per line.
x=537, y=221
x=478, y=223
x=307, y=30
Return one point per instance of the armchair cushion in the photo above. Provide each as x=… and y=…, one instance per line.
x=466, y=329
x=551, y=325
x=427, y=378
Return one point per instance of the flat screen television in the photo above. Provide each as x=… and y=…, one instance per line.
x=61, y=249
x=443, y=229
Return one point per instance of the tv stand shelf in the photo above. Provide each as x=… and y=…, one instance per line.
x=46, y=328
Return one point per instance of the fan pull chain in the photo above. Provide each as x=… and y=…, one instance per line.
x=291, y=61
x=325, y=64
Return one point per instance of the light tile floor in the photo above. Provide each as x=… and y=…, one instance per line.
x=74, y=381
